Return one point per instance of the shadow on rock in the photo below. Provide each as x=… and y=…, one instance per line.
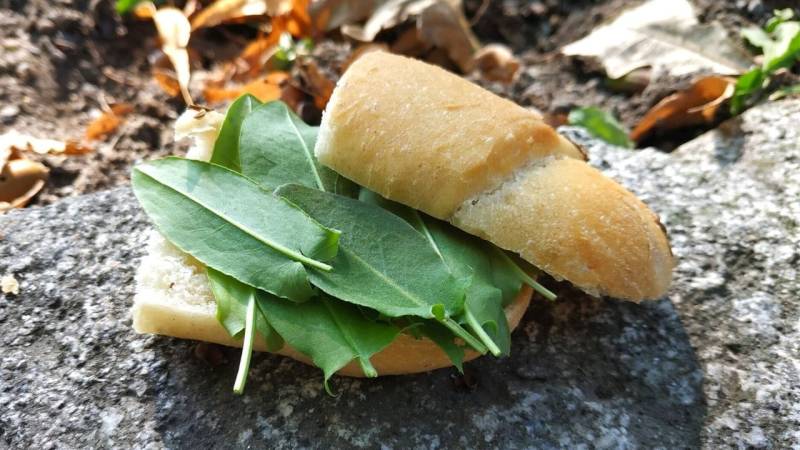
x=582, y=370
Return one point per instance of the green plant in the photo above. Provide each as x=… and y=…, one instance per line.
x=779, y=43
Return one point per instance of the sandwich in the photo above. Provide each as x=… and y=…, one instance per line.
x=404, y=234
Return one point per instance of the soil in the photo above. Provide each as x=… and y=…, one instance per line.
x=62, y=62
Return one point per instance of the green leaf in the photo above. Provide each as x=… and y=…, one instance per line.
x=259, y=239
x=232, y=298
x=600, y=124
x=785, y=49
x=468, y=259
x=383, y=263
x=757, y=37
x=778, y=17
x=444, y=338
x=126, y=6
x=276, y=147
x=226, y=147
x=746, y=85
x=330, y=332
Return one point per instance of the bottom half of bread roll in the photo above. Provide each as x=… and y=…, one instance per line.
x=173, y=299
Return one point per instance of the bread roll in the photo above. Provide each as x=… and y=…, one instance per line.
x=422, y=136
x=173, y=298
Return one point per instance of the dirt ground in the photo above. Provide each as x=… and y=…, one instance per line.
x=61, y=61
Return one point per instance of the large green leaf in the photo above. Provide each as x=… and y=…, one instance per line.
x=383, y=263
x=232, y=297
x=330, y=332
x=276, y=147
x=226, y=147
x=259, y=239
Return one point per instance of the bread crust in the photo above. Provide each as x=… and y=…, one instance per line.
x=403, y=127
x=155, y=312
x=421, y=136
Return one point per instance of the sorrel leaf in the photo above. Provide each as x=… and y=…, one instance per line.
x=330, y=332
x=226, y=147
x=276, y=147
x=259, y=239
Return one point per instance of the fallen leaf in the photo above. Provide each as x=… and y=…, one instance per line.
x=14, y=140
x=387, y=15
x=439, y=23
x=600, y=124
x=9, y=284
x=107, y=122
x=496, y=63
x=693, y=106
x=20, y=180
x=665, y=35
x=632, y=82
x=175, y=31
x=319, y=86
x=223, y=11
x=443, y=25
x=265, y=89
x=327, y=15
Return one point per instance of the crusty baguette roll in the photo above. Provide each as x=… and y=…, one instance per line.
x=173, y=298
x=422, y=136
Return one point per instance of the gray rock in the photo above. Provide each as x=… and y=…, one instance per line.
x=713, y=364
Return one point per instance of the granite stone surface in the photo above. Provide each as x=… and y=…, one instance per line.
x=715, y=363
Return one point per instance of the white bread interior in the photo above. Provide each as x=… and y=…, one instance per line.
x=422, y=136
x=173, y=299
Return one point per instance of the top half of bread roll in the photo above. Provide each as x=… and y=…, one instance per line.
x=429, y=139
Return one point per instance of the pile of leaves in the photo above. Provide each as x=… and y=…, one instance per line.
x=664, y=37
x=288, y=243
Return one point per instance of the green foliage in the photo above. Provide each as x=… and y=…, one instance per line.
x=226, y=147
x=600, y=124
x=190, y=203
x=277, y=147
x=289, y=50
x=779, y=42
x=332, y=333
x=126, y=6
x=391, y=267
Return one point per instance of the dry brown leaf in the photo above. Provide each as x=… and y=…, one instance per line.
x=175, y=31
x=297, y=21
x=439, y=23
x=15, y=141
x=696, y=105
x=144, y=10
x=387, y=15
x=328, y=15
x=319, y=86
x=264, y=89
x=444, y=26
x=107, y=122
x=496, y=63
x=20, y=180
x=665, y=35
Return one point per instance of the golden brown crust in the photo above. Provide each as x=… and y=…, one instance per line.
x=403, y=127
x=574, y=223
x=404, y=355
x=431, y=140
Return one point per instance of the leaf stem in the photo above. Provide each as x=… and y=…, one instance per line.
x=247, y=346
x=463, y=334
x=546, y=293
x=482, y=335
x=367, y=367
